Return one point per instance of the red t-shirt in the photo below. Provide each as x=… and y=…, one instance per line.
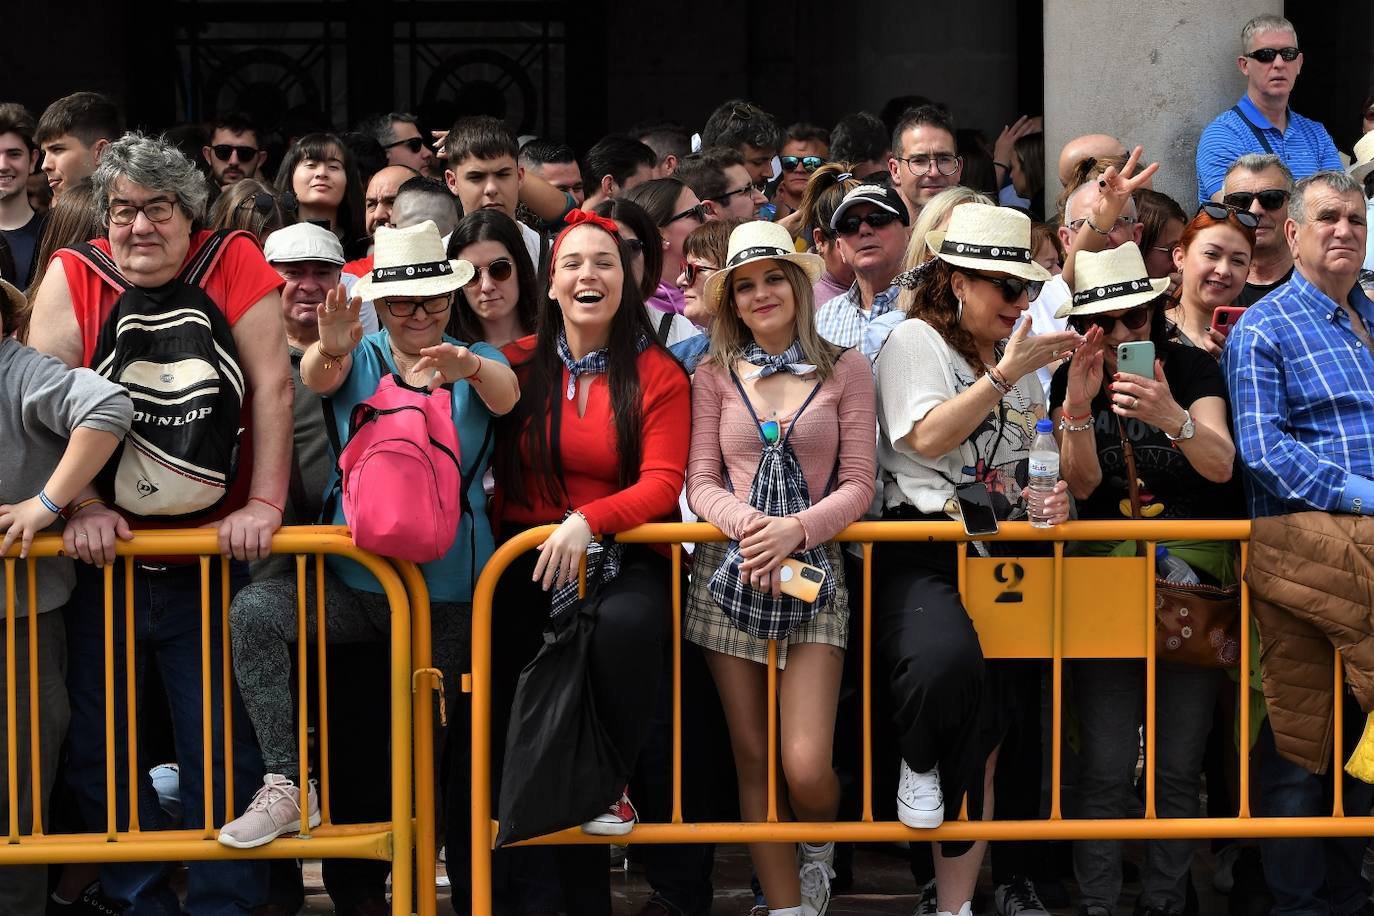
x=359, y=268
x=238, y=280
x=591, y=461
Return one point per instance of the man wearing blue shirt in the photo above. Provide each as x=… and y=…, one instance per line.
x=1261, y=121
x=1301, y=377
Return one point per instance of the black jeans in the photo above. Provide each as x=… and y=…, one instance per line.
x=629, y=650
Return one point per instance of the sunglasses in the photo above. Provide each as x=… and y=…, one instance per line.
x=1272, y=199
x=877, y=220
x=404, y=308
x=414, y=144
x=1134, y=320
x=697, y=213
x=692, y=271
x=1012, y=288
x=1220, y=212
x=808, y=163
x=636, y=246
x=264, y=202
x=499, y=270
x=223, y=151
x=1267, y=55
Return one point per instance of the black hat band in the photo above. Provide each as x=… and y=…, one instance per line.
x=411, y=271
x=985, y=252
x=758, y=251
x=1112, y=291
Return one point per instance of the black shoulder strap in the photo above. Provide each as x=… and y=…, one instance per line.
x=665, y=325
x=1254, y=128
x=205, y=258
x=102, y=264
x=739, y=386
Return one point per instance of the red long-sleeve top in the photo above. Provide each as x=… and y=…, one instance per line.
x=591, y=461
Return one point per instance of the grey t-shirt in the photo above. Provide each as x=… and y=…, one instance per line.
x=41, y=402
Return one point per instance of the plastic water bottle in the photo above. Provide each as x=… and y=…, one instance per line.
x=1044, y=472
x=1173, y=568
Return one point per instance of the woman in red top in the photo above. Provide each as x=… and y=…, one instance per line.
x=598, y=444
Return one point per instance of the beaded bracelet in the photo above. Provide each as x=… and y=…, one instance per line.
x=1068, y=427
x=999, y=381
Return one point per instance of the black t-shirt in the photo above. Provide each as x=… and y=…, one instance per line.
x=23, y=244
x=1253, y=293
x=1169, y=487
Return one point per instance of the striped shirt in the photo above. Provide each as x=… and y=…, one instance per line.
x=1302, y=395
x=1305, y=147
x=842, y=321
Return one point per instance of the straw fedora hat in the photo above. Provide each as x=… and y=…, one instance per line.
x=411, y=262
x=757, y=241
x=1107, y=281
x=1364, y=157
x=984, y=237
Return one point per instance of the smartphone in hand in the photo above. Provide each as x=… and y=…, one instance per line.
x=975, y=508
x=1136, y=357
x=1224, y=318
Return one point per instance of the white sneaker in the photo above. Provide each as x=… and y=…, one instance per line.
x=275, y=810
x=920, y=803
x=1018, y=898
x=965, y=910
x=817, y=868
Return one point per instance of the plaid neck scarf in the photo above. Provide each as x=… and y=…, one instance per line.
x=590, y=364
x=790, y=360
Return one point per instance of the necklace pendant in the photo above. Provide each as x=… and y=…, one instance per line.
x=771, y=431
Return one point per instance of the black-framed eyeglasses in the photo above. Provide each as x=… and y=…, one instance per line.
x=157, y=211
x=404, y=308
x=697, y=213
x=414, y=144
x=692, y=271
x=1220, y=212
x=499, y=270
x=223, y=151
x=722, y=198
x=808, y=163
x=877, y=219
x=1267, y=55
x=1012, y=288
x=1270, y=199
x=264, y=202
x=944, y=163
x=1134, y=319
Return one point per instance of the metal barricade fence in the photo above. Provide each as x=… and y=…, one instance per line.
x=409, y=832
x=1053, y=607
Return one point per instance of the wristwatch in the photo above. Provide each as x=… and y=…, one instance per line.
x=1186, y=431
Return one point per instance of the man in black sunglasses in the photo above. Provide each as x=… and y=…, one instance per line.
x=399, y=134
x=1261, y=121
x=1261, y=184
x=872, y=228
x=233, y=153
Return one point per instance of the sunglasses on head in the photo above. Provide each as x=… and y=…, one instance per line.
x=636, y=246
x=697, y=213
x=692, y=271
x=263, y=202
x=808, y=163
x=499, y=270
x=1272, y=199
x=877, y=220
x=413, y=144
x=1134, y=320
x=1267, y=55
x=1220, y=212
x=1012, y=288
x=223, y=151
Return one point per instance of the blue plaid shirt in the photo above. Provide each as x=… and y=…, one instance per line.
x=1302, y=395
x=842, y=321
x=1305, y=147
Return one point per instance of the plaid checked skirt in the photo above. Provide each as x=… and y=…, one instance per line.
x=708, y=627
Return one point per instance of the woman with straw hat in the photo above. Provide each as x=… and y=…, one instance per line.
x=782, y=460
x=1182, y=455
x=412, y=285
x=957, y=407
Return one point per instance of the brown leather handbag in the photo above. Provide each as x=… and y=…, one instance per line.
x=1194, y=624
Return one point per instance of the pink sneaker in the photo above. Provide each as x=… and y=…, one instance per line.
x=618, y=820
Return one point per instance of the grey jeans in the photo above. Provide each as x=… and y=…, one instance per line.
x=1110, y=699
x=24, y=888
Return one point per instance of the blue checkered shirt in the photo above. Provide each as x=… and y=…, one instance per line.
x=1305, y=147
x=1302, y=395
x=842, y=321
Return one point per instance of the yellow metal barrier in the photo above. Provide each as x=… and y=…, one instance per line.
x=409, y=831
x=1034, y=607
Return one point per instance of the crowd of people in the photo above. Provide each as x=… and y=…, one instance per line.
x=777, y=331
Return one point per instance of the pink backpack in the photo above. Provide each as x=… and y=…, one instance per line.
x=400, y=473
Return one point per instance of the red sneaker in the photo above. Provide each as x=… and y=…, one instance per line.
x=618, y=820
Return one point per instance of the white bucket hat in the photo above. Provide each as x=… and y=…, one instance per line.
x=411, y=262
x=756, y=241
x=1107, y=281
x=1364, y=157
x=984, y=237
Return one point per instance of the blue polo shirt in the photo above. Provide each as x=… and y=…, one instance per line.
x=1305, y=147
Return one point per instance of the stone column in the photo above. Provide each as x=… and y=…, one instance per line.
x=1153, y=74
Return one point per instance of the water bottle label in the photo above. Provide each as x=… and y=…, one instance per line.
x=1044, y=467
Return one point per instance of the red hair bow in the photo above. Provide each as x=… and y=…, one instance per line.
x=579, y=217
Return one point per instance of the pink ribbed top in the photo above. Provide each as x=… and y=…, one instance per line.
x=839, y=423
